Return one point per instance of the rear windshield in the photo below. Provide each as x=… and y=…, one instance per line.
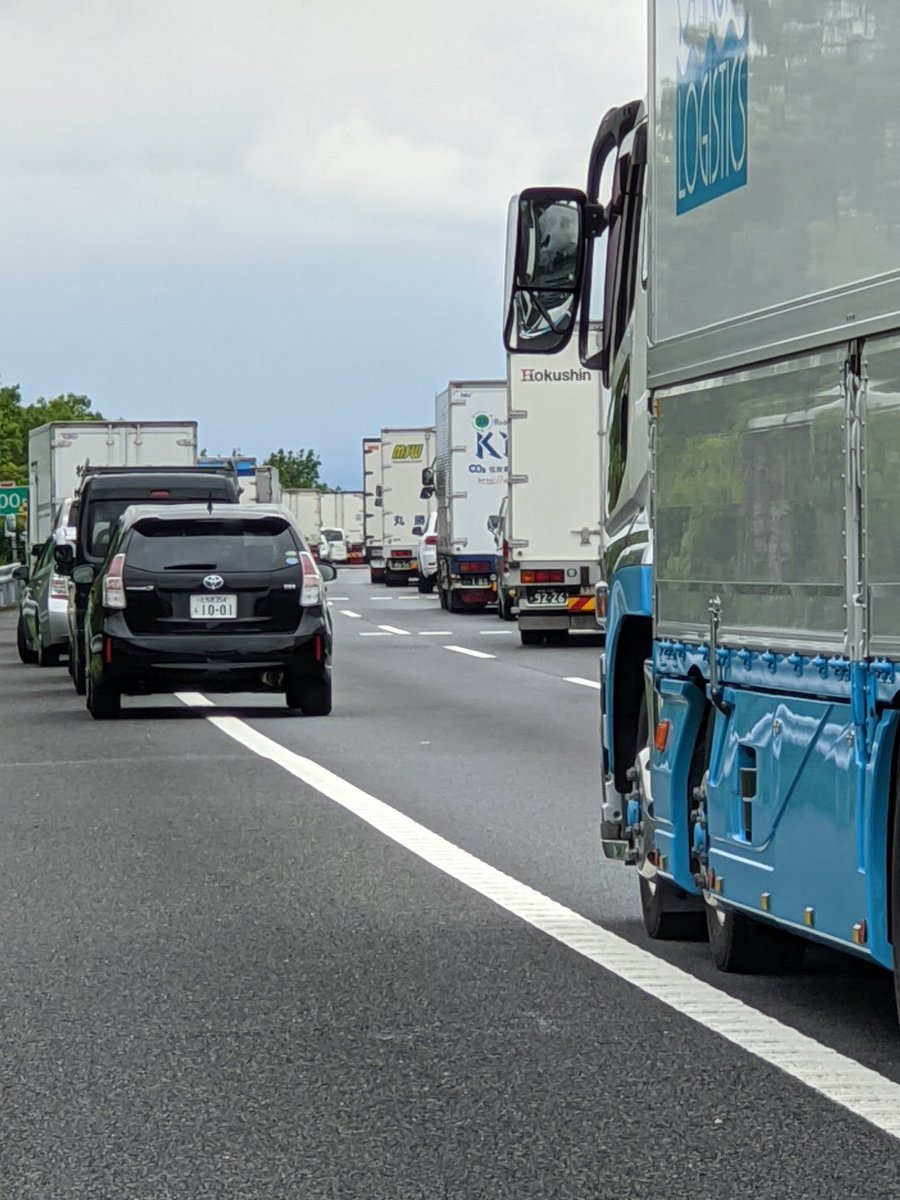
x=212, y=545
x=101, y=515
x=332, y=535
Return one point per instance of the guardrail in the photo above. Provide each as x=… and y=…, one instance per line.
x=10, y=589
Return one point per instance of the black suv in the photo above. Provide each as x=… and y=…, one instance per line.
x=104, y=495
x=227, y=599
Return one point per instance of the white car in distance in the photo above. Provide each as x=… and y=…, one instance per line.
x=426, y=554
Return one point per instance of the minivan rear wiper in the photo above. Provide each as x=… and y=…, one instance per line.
x=191, y=567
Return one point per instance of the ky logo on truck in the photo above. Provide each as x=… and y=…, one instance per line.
x=411, y=453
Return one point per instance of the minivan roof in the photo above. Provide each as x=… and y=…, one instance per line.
x=126, y=485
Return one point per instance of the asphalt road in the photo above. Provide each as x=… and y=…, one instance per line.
x=218, y=982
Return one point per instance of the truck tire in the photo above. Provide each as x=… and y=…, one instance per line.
x=743, y=946
x=671, y=915
x=425, y=586
x=312, y=696
x=26, y=654
x=531, y=637
x=104, y=700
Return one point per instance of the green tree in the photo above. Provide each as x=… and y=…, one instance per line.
x=297, y=468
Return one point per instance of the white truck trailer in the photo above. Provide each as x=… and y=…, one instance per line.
x=404, y=452
x=470, y=475
x=552, y=551
x=305, y=506
x=58, y=451
x=373, y=513
x=344, y=512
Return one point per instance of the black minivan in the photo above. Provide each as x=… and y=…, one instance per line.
x=219, y=598
x=102, y=498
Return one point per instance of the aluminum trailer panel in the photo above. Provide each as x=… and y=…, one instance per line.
x=774, y=221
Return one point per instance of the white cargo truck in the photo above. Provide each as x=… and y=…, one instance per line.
x=57, y=453
x=305, y=506
x=342, y=512
x=551, y=550
x=470, y=475
x=373, y=512
x=404, y=453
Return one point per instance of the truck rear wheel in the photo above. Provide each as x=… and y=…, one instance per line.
x=531, y=637
x=743, y=946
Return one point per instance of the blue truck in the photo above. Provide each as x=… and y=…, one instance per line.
x=741, y=230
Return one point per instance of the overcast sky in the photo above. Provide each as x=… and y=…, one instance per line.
x=282, y=218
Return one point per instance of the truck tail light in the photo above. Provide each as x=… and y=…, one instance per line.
x=475, y=568
x=552, y=576
x=59, y=586
x=311, y=591
x=113, y=584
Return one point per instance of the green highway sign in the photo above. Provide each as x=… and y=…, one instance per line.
x=12, y=500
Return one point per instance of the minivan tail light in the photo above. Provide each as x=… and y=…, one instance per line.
x=431, y=540
x=311, y=592
x=113, y=584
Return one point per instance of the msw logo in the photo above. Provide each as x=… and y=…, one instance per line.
x=411, y=453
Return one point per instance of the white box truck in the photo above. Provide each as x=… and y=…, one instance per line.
x=305, y=506
x=58, y=451
x=470, y=475
x=551, y=550
x=404, y=453
x=342, y=514
x=373, y=512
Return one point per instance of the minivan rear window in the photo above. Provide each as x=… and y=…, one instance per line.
x=212, y=545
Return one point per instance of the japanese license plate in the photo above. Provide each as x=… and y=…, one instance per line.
x=213, y=608
x=400, y=564
x=545, y=598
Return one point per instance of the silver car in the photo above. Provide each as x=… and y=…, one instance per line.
x=42, y=635
x=43, y=630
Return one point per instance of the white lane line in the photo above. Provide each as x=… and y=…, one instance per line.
x=348, y=612
x=847, y=1083
x=392, y=629
x=338, y=598
x=435, y=633
x=591, y=683
x=471, y=653
x=496, y=632
x=373, y=633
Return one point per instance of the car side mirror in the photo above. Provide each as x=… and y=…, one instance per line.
x=418, y=530
x=327, y=571
x=37, y=549
x=83, y=574
x=20, y=574
x=64, y=557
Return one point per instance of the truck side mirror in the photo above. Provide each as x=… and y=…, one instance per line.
x=427, y=477
x=493, y=522
x=545, y=253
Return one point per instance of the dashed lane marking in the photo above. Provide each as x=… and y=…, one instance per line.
x=471, y=653
x=330, y=598
x=393, y=629
x=840, y=1079
x=373, y=633
x=348, y=612
x=497, y=632
x=435, y=633
x=591, y=683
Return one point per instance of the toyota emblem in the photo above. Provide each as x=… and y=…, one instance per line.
x=214, y=582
